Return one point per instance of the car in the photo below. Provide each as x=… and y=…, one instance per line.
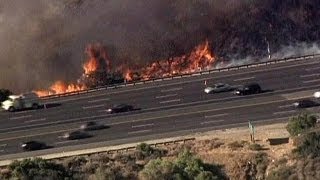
x=91, y=126
x=305, y=103
x=120, y=108
x=75, y=135
x=219, y=87
x=33, y=145
x=252, y=88
x=316, y=94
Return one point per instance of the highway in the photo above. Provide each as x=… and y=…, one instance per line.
x=165, y=107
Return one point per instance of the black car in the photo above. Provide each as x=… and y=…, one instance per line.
x=305, y=103
x=33, y=145
x=91, y=126
x=252, y=88
x=75, y=135
x=120, y=108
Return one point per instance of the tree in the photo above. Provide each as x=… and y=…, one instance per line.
x=37, y=169
x=301, y=123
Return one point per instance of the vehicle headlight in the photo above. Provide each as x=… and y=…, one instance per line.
x=317, y=94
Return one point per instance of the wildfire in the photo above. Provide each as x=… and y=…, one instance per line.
x=200, y=58
x=60, y=87
x=98, y=59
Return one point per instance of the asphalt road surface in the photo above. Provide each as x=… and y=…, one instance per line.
x=178, y=105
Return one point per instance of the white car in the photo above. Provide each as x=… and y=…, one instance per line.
x=219, y=87
x=316, y=94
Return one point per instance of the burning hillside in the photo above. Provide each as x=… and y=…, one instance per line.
x=200, y=58
x=143, y=39
x=97, y=69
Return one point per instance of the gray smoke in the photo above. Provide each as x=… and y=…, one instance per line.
x=42, y=41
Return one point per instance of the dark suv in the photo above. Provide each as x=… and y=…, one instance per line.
x=252, y=88
x=120, y=108
x=33, y=145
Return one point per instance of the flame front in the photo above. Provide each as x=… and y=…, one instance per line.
x=90, y=66
x=200, y=58
x=60, y=87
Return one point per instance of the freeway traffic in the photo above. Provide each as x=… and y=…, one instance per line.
x=165, y=107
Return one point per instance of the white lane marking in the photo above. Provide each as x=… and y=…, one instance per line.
x=142, y=131
x=243, y=79
x=216, y=115
x=68, y=141
x=173, y=89
x=20, y=117
x=36, y=120
x=99, y=100
x=285, y=106
x=91, y=107
x=284, y=112
x=211, y=122
x=170, y=101
x=142, y=125
x=78, y=98
x=23, y=112
x=310, y=75
x=311, y=81
x=314, y=68
x=165, y=96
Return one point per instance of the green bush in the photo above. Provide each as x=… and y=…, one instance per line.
x=37, y=169
x=309, y=145
x=186, y=166
x=146, y=151
x=301, y=123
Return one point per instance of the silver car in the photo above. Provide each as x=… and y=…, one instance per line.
x=219, y=87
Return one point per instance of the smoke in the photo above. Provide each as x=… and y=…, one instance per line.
x=42, y=41
x=298, y=49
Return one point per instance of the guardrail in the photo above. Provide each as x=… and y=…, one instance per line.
x=167, y=143
x=114, y=86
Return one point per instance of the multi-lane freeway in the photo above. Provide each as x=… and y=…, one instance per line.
x=163, y=108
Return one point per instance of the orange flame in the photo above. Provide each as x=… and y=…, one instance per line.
x=199, y=59
x=90, y=66
x=60, y=87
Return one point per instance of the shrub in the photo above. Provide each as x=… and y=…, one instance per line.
x=186, y=166
x=255, y=147
x=301, y=123
x=158, y=169
x=37, y=169
x=309, y=145
x=284, y=172
x=261, y=160
x=235, y=145
x=145, y=150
